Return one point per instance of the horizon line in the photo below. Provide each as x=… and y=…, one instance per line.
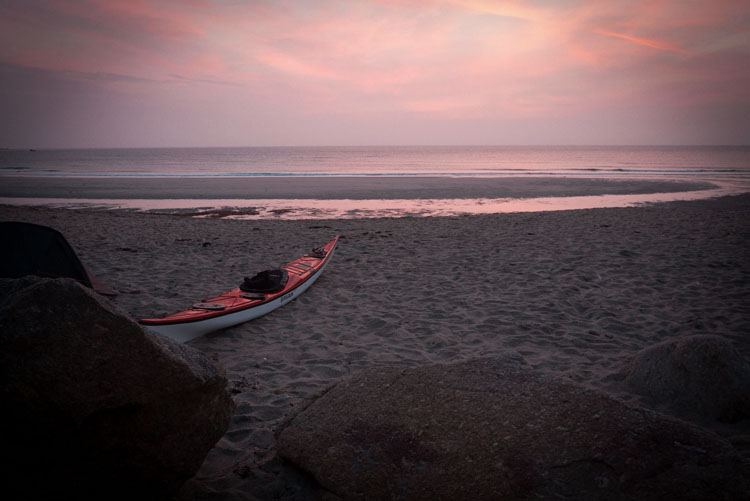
x=383, y=145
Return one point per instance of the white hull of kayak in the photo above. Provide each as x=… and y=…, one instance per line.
x=186, y=331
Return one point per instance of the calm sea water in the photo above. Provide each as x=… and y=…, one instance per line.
x=728, y=167
x=378, y=161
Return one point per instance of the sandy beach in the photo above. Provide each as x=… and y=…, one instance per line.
x=576, y=293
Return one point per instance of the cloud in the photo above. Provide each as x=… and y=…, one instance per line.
x=654, y=44
x=397, y=61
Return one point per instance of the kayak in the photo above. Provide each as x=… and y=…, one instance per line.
x=255, y=297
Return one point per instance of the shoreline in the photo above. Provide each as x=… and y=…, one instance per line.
x=352, y=197
x=336, y=188
x=313, y=209
x=577, y=293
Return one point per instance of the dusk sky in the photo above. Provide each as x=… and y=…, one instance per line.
x=122, y=73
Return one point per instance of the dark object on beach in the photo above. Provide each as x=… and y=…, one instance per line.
x=239, y=305
x=32, y=249
x=495, y=428
x=266, y=281
x=95, y=407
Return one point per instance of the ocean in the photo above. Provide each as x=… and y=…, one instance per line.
x=154, y=179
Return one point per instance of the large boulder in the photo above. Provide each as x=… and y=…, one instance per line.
x=703, y=377
x=94, y=405
x=496, y=429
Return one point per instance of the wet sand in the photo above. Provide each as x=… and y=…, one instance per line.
x=331, y=187
x=576, y=293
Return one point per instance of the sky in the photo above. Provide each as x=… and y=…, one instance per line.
x=135, y=73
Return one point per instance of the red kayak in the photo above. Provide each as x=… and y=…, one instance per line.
x=255, y=297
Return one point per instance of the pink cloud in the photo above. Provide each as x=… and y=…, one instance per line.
x=423, y=58
x=654, y=44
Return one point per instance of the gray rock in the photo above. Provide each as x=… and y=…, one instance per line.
x=496, y=429
x=700, y=376
x=93, y=404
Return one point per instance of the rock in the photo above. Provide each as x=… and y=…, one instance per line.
x=700, y=376
x=93, y=405
x=496, y=429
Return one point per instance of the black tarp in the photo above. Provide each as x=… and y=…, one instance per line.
x=32, y=249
